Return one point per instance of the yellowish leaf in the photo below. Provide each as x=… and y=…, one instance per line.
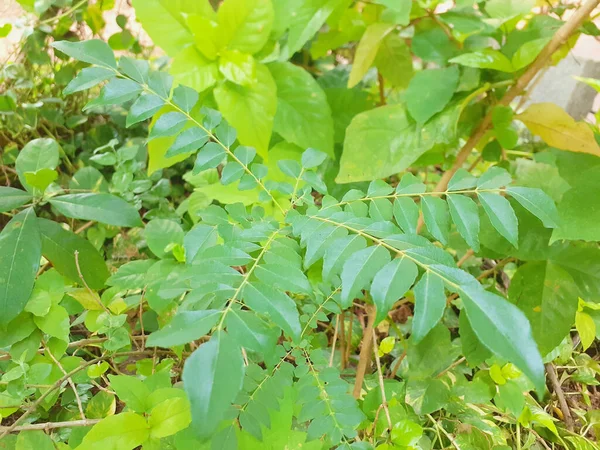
x=89, y=300
x=586, y=327
x=558, y=129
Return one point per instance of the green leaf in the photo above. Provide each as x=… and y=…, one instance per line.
x=131, y=275
x=41, y=179
x=433, y=45
x=250, y=109
x=87, y=78
x=406, y=433
x=59, y=247
x=211, y=155
x=123, y=431
x=11, y=198
x=92, y=51
x=339, y=251
x=245, y=25
x=303, y=115
x=169, y=417
x=391, y=283
x=100, y=207
x=406, y=213
x=37, y=154
x=192, y=69
x=494, y=178
x=33, y=440
x=485, y=59
x=232, y=171
x=359, y=270
x=505, y=330
x=137, y=69
x=212, y=378
x=465, y=215
x=189, y=140
x=501, y=215
x=185, y=327
x=131, y=390
x=435, y=215
x=586, y=327
x=164, y=22
x=116, y=92
x=312, y=158
x=185, y=97
x=547, y=295
x=143, y=108
x=253, y=332
x=162, y=233
x=276, y=304
x=367, y=50
x=527, y=53
x=394, y=61
x=579, y=210
x=475, y=352
x=238, y=67
x=55, y=323
x=287, y=278
x=430, y=303
x=505, y=9
x=430, y=91
x=20, y=252
x=537, y=203
x=168, y=124
x=462, y=180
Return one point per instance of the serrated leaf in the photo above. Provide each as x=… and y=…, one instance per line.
x=537, y=203
x=186, y=326
x=437, y=220
x=276, y=304
x=359, y=270
x=430, y=303
x=501, y=215
x=465, y=215
x=100, y=207
x=391, y=283
x=212, y=378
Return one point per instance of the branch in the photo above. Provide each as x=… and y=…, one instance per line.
x=365, y=352
x=52, y=425
x=559, y=38
x=384, y=402
x=564, y=408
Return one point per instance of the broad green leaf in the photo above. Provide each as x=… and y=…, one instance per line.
x=254, y=333
x=232, y=171
x=367, y=50
x=143, y=108
x=473, y=350
x=192, y=69
x=435, y=215
x=131, y=390
x=287, y=278
x=161, y=234
x=276, y=304
x=41, y=179
x=37, y=154
x=168, y=124
x=430, y=91
x=250, y=110
x=465, y=215
x=199, y=239
x=586, y=327
x=394, y=61
x=406, y=213
x=558, y=129
x=33, y=440
x=116, y=92
x=59, y=247
x=131, y=275
x=137, y=69
x=501, y=215
x=406, y=433
x=537, y=203
x=384, y=141
x=100, y=207
x=303, y=115
x=432, y=44
x=359, y=270
x=391, y=283
x=92, y=51
x=339, y=251
x=312, y=158
x=87, y=78
x=209, y=157
x=169, y=417
x=505, y=330
x=185, y=327
x=547, y=295
x=123, y=431
x=485, y=59
x=188, y=141
x=505, y=9
x=55, y=323
x=527, y=53
x=494, y=178
x=185, y=97
x=245, y=25
x=164, y=22
x=20, y=253
x=212, y=378
x=238, y=67
x=430, y=303
x=11, y=198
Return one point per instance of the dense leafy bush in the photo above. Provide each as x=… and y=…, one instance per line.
x=298, y=251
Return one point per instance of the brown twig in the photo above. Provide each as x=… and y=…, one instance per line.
x=397, y=365
x=564, y=408
x=334, y=340
x=53, y=425
x=365, y=352
x=381, y=83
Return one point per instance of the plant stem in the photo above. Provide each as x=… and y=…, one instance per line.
x=384, y=403
x=551, y=371
x=365, y=352
x=52, y=425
